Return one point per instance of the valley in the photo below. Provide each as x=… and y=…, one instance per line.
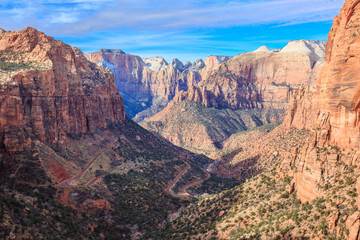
x=65, y=137
x=111, y=145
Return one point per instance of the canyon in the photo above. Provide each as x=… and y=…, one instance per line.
x=247, y=91
x=148, y=84
x=262, y=145
x=235, y=93
x=69, y=155
x=310, y=190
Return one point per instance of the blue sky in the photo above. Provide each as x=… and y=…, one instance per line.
x=186, y=29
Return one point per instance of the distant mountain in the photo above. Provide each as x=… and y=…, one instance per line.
x=247, y=91
x=148, y=84
x=259, y=79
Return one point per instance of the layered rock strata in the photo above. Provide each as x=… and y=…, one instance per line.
x=259, y=79
x=247, y=91
x=49, y=89
x=203, y=130
x=330, y=106
x=150, y=83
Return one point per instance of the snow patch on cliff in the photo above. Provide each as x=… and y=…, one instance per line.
x=156, y=64
x=105, y=64
x=197, y=65
x=314, y=49
x=262, y=49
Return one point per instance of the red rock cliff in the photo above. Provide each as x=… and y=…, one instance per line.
x=339, y=84
x=330, y=109
x=151, y=82
x=259, y=79
x=50, y=90
x=336, y=93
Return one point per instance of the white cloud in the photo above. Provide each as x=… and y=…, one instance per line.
x=64, y=18
x=143, y=14
x=47, y=15
x=82, y=16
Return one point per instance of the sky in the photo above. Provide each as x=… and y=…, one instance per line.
x=183, y=29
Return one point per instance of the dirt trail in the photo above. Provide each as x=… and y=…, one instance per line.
x=173, y=182
x=95, y=180
x=70, y=181
x=183, y=192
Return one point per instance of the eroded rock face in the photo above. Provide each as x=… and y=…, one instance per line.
x=337, y=93
x=330, y=108
x=259, y=79
x=203, y=130
x=257, y=84
x=50, y=91
x=150, y=83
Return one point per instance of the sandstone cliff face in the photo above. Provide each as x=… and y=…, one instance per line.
x=150, y=83
x=259, y=79
x=49, y=89
x=251, y=89
x=330, y=108
x=334, y=98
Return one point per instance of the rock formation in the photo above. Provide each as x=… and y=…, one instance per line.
x=203, y=130
x=64, y=139
x=330, y=109
x=249, y=90
x=330, y=106
x=150, y=83
x=49, y=89
x=334, y=98
x=259, y=79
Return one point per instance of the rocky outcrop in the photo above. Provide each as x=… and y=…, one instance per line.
x=90, y=204
x=49, y=89
x=211, y=63
x=262, y=49
x=150, y=83
x=259, y=79
x=203, y=130
x=334, y=99
x=330, y=108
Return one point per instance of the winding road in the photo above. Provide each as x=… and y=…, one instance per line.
x=184, y=188
x=95, y=180
x=72, y=182
x=173, y=182
x=183, y=192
